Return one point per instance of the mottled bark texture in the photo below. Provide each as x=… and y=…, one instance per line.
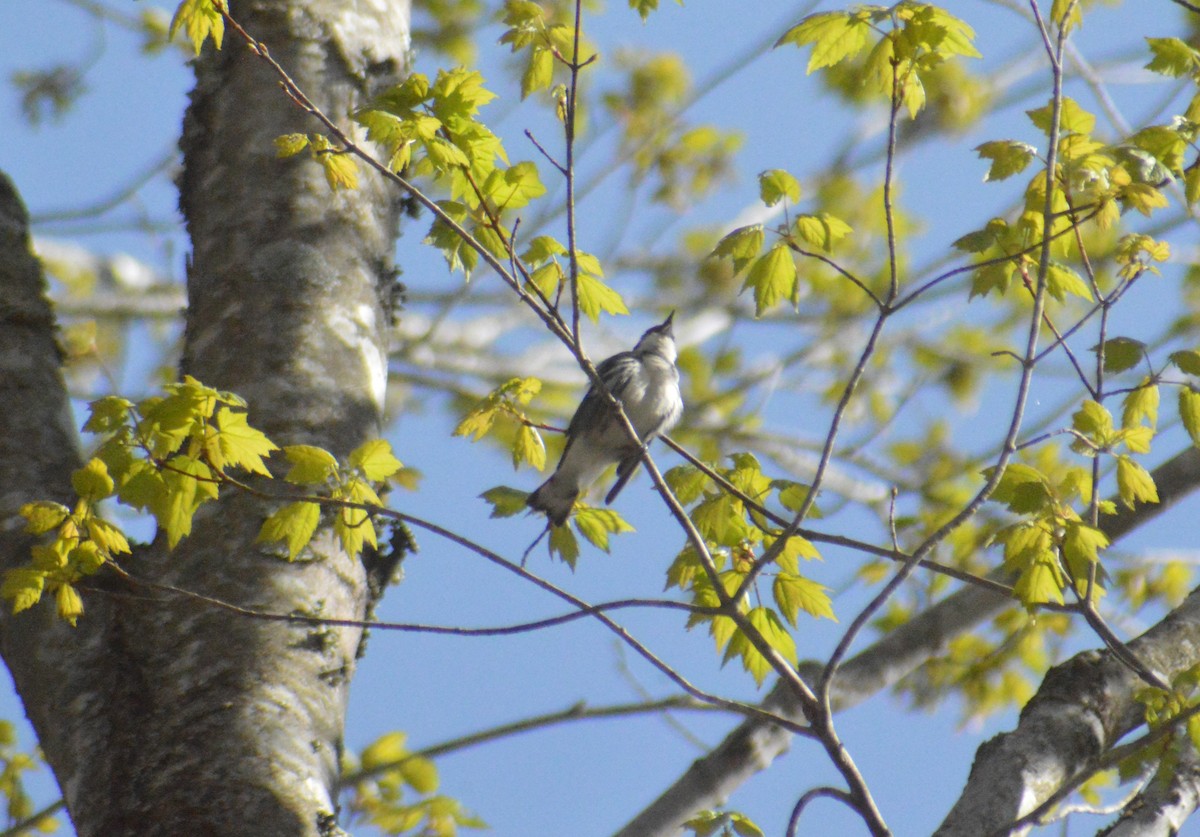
x=60, y=673
x=1162, y=807
x=1083, y=708
x=162, y=716
x=754, y=744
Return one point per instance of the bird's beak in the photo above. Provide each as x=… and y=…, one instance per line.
x=666, y=324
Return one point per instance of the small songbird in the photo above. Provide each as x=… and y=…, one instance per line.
x=646, y=383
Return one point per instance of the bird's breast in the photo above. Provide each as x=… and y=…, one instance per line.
x=652, y=399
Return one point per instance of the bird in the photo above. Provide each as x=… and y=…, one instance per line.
x=646, y=382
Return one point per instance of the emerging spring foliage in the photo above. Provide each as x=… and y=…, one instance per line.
x=1046, y=508
x=168, y=456
x=432, y=130
x=384, y=777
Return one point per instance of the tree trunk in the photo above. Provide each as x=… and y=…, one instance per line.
x=162, y=715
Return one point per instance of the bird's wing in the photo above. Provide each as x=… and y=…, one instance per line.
x=617, y=371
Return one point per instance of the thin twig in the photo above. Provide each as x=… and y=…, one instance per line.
x=21, y=828
x=577, y=712
x=404, y=627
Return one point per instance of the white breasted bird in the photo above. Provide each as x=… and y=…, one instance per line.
x=646, y=383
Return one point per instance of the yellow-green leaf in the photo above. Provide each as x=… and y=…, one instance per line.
x=1082, y=543
x=1189, y=412
x=199, y=19
x=340, y=170
x=241, y=445
x=1041, y=582
x=107, y=536
x=385, y=751
x=354, y=528
x=821, y=230
x=743, y=826
x=86, y=557
x=1121, y=353
x=1022, y=488
x=1144, y=198
x=78, y=339
x=1134, y=483
x=794, y=593
x=541, y=248
x=564, y=545
x=835, y=36
x=773, y=278
x=294, y=524
x=23, y=587
x=1062, y=280
x=189, y=484
x=1093, y=421
x=776, y=184
x=1187, y=361
x=505, y=501
x=459, y=93
x=420, y=774
x=107, y=414
x=375, y=459
x=92, y=482
x=529, y=447
x=42, y=516
x=1008, y=157
x=595, y=296
x=1066, y=14
x=1141, y=404
x=288, y=145
x=772, y=630
x=1172, y=57
x=742, y=246
x=596, y=524
x=515, y=186
x=539, y=72
x=1136, y=439
x=991, y=277
x=310, y=465
x=477, y=423
x=1072, y=119
x=69, y=603
x=796, y=548
x=687, y=483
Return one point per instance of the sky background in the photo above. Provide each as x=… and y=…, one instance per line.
x=582, y=778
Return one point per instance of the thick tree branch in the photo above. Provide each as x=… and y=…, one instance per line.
x=1164, y=804
x=52, y=664
x=1083, y=708
x=196, y=720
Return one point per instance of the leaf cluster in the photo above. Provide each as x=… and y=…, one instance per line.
x=773, y=276
x=904, y=44
x=737, y=534
x=169, y=455
x=432, y=129
x=392, y=775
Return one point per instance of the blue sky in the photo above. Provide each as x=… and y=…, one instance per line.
x=584, y=778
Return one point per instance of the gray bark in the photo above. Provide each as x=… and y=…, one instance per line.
x=1082, y=708
x=53, y=666
x=754, y=744
x=1164, y=805
x=166, y=716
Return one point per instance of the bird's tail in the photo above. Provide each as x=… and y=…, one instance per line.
x=554, y=497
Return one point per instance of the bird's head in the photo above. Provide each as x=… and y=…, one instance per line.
x=659, y=340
